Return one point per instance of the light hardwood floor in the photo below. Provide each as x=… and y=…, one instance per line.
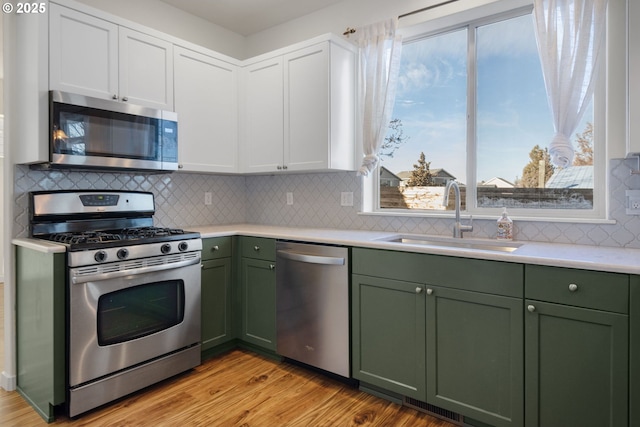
x=238, y=388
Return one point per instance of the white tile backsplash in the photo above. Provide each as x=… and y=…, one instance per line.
x=179, y=197
x=316, y=203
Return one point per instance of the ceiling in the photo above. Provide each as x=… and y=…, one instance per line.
x=248, y=17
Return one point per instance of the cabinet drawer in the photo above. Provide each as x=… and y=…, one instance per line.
x=216, y=247
x=581, y=288
x=259, y=248
x=403, y=266
x=495, y=277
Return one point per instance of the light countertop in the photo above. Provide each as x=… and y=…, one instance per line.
x=600, y=258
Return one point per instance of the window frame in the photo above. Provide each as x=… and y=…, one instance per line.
x=471, y=19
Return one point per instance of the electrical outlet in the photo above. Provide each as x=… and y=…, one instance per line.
x=208, y=198
x=346, y=198
x=289, y=198
x=633, y=202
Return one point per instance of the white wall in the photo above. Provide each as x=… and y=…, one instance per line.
x=352, y=13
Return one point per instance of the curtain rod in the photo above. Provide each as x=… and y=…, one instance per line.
x=350, y=30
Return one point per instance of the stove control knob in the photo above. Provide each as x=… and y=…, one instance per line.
x=166, y=248
x=100, y=256
x=183, y=246
x=123, y=253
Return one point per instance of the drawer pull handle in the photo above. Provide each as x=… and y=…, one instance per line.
x=272, y=266
x=256, y=248
x=573, y=287
x=215, y=248
x=429, y=291
x=531, y=308
x=418, y=290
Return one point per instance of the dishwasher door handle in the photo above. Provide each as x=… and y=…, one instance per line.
x=311, y=259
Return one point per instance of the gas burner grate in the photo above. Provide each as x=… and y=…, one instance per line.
x=135, y=233
x=85, y=237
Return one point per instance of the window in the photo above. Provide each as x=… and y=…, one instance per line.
x=471, y=105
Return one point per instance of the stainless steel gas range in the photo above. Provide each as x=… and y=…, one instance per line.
x=133, y=292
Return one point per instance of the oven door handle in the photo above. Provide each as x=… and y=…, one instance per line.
x=84, y=278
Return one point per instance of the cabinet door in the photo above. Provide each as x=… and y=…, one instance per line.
x=576, y=366
x=83, y=53
x=633, y=52
x=206, y=93
x=475, y=356
x=634, y=351
x=262, y=117
x=259, y=303
x=146, y=70
x=306, y=117
x=216, y=303
x=388, y=334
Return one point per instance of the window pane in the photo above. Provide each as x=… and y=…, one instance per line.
x=514, y=126
x=430, y=118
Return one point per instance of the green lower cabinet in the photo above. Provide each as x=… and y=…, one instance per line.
x=388, y=334
x=576, y=366
x=475, y=355
x=258, y=283
x=216, y=303
x=40, y=329
x=634, y=352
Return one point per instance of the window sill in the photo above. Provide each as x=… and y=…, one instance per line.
x=465, y=215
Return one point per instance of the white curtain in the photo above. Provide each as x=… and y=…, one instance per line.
x=379, y=65
x=569, y=34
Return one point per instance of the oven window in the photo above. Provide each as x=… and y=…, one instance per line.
x=138, y=311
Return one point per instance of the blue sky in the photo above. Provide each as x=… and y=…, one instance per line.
x=512, y=108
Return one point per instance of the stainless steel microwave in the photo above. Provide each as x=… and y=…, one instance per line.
x=97, y=133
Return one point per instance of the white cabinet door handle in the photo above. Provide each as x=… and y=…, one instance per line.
x=531, y=308
x=573, y=287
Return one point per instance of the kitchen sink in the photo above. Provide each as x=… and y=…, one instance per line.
x=449, y=242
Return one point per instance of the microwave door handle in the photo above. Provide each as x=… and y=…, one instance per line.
x=311, y=259
x=76, y=280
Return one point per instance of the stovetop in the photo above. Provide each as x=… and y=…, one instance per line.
x=122, y=237
x=87, y=240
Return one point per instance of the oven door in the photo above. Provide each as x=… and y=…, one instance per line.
x=122, y=318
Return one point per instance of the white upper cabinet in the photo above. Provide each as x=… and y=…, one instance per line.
x=262, y=119
x=83, y=53
x=206, y=100
x=94, y=57
x=320, y=108
x=146, y=70
x=633, y=49
x=299, y=110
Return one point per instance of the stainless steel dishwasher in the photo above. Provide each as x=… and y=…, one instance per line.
x=312, y=299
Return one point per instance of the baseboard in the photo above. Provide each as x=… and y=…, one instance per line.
x=8, y=382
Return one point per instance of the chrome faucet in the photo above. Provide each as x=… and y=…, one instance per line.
x=458, y=228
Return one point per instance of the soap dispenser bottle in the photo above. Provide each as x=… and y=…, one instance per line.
x=505, y=226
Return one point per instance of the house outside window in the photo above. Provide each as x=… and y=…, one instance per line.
x=472, y=106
